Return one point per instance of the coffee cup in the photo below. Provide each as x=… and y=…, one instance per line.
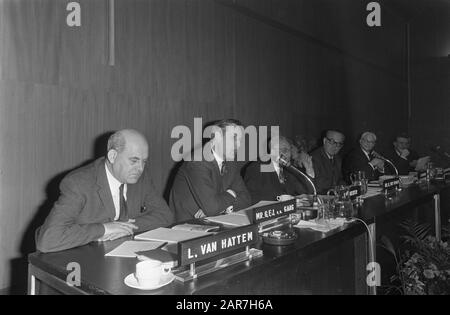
x=149, y=272
x=284, y=197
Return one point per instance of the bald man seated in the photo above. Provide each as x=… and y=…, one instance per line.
x=108, y=199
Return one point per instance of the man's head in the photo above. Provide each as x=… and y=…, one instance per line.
x=333, y=142
x=281, y=147
x=368, y=141
x=402, y=142
x=226, y=138
x=127, y=155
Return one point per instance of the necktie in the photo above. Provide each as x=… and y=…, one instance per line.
x=123, y=216
x=281, y=177
x=222, y=168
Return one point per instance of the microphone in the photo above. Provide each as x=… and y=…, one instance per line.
x=284, y=162
x=437, y=149
x=379, y=156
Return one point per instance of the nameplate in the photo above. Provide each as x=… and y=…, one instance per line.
x=202, y=248
x=273, y=211
x=447, y=173
x=354, y=192
x=391, y=184
x=422, y=175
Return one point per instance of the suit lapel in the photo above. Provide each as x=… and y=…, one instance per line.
x=104, y=191
x=367, y=157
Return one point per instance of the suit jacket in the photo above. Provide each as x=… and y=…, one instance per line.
x=85, y=203
x=356, y=160
x=328, y=174
x=401, y=164
x=267, y=186
x=199, y=185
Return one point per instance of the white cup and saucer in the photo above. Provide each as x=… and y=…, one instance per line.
x=150, y=275
x=284, y=197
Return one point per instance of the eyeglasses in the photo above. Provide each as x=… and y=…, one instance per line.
x=333, y=142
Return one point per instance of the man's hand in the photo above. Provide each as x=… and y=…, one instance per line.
x=306, y=161
x=404, y=153
x=115, y=230
x=377, y=163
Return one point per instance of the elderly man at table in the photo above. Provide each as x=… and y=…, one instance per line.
x=364, y=158
x=110, y=198
x=327, y=162
x=267, y=180
x=212, y=185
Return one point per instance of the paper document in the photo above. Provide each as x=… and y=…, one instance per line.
x=196, y=227
x=321, y=225
x=256, y=205
x=129, y=248
x=169, y=235
x=233, y=219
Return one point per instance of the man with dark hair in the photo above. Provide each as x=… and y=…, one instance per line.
x=364, y=159
x=266, y=180
x=213, y=185
x=327, y=162
x=110, y=198
x=404, y=159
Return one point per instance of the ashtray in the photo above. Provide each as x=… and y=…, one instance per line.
x=279, y=237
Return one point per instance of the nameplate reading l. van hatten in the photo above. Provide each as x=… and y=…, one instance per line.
x=206, y=247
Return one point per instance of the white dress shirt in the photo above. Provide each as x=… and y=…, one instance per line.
x=218, y=159
x=114, y=186
x=276, y=166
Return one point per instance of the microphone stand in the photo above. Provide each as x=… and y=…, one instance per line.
x=377, y=155
x=286, y=164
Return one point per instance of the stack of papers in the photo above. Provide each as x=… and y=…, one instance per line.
x=322, y=225
x=232, y=219
x=169, y=235
x=130, y=248
x=372, y=191
x=196, y=227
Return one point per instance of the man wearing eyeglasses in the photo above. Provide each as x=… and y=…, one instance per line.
x=327, y=163
x=364, y=159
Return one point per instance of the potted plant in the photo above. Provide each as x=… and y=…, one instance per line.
x=422, y=262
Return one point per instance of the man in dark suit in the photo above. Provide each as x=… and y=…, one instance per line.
x=404, y=159
x=327, y=163
x=267, y=180
x=364, y=159
x=110, y=198
x=212, y=185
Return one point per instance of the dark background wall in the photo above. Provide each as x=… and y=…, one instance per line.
x=430, y=80
x=303, y=65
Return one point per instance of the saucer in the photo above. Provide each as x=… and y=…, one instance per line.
x=131, y=281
